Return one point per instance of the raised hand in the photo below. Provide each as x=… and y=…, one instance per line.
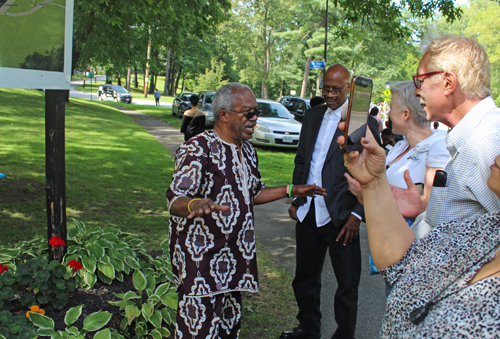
x=205, y=206
x=409, y=201
x=367, y=165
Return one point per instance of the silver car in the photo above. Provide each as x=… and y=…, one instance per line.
x=276, y=126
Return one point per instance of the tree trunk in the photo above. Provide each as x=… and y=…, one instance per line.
x=265, y=66
x=306, y=76
x=136, y=84
x=179, y=72
x=146, y=75
x=167, y=68
x=129, y=75
x=171, y=79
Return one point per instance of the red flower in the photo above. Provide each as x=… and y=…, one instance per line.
x=56, y=241
x=74, y=265
x=3, y=268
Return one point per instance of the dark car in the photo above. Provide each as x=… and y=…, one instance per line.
x=113, y=92
x=181, y=103
x=205, y=105
x=297, y=106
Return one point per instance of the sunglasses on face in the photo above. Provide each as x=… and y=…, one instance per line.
x=418, y=79
x=248, y=114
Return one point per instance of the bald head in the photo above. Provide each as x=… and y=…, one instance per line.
x=340, y=71
x=336, y=85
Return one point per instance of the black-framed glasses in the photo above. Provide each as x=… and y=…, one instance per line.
x=335, y=91
x=418, y=79
x=248, y=114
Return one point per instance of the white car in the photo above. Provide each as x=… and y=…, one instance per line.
x=276, y=126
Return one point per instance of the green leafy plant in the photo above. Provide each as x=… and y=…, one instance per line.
x=93, y=322
x=8, y=288
x=15, y=326
x=45, y=283
x=147, y=312
x=14, y=255
x=105, y=253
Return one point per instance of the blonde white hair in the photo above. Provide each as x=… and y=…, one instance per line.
x=466, y=58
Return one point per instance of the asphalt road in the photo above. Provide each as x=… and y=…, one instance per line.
x=76, y=94
x=275, y=230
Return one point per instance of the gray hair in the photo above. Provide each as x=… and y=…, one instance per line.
x=466, y=58
x=225, y=97
x=407, y=100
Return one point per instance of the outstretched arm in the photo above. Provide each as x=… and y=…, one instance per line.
x=389, y=235
x=269, y=194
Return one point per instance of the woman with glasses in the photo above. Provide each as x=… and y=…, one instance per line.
x=422, y=152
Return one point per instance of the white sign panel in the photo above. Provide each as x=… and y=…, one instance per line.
x=36, y=39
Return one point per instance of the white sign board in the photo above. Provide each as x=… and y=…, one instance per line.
x=36, y=40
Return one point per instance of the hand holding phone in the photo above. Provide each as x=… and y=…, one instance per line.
x=358, y=112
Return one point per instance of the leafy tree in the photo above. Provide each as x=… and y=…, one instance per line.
x=212, y=80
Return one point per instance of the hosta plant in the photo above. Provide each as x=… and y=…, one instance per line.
x=105, y=253
x=93, y=322
x=14, y=255
x=151, y=312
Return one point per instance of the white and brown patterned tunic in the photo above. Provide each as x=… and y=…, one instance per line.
x=215, y=253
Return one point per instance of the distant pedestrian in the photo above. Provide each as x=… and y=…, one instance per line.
x=157, y=97
x=435, y=125
x=388, y=141
x=374, y=113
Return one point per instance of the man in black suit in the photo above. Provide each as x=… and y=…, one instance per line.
x=326, y=223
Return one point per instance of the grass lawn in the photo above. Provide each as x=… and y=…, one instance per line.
x=116, y=172
x=117, y=175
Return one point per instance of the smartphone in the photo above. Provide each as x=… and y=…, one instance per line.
x=358, y=111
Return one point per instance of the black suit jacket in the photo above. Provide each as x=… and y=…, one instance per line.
x=339, y=201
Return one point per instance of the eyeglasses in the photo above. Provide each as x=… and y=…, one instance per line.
x=248, y=114
x=418, y=82
x=335, y=91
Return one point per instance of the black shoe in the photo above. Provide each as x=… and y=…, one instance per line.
x=299, y=333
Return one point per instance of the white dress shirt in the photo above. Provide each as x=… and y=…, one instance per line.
x=326, y=132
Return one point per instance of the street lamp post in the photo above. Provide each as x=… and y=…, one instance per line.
x=326, y=35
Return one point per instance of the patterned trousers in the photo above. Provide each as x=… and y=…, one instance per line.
x=216, y=317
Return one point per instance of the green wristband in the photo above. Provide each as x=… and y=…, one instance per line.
x=290, y=191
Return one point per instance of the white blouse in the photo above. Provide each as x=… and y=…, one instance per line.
x=430, y=152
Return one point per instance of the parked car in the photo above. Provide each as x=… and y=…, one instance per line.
x=275, y=126
x=181, y=103
x=113, y=92
x=205, y=105
x=297, y=106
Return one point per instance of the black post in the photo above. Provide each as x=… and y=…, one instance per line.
x=326, y=37
x=55, y=101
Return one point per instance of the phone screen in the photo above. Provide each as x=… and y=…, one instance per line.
x=358, y=113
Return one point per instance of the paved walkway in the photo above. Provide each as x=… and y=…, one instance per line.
x=275, y=230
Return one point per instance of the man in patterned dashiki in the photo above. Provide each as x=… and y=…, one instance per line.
x=216, y=183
